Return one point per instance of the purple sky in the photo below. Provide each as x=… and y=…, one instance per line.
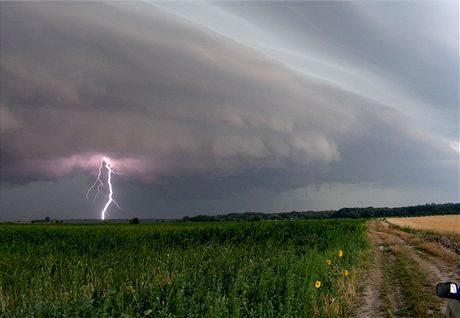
x=227, y=106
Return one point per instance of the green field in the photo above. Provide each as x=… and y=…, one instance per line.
x=258, y=269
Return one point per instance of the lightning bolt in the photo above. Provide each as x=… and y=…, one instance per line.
x=105, y=163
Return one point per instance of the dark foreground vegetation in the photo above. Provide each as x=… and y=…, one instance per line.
x=353, y=213
x=247, y=269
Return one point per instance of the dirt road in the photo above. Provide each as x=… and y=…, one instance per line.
x=404, y=271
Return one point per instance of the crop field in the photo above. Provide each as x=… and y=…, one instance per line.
x=439, y=223
x=247, y=269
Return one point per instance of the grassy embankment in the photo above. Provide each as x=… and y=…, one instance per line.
x=259, y=269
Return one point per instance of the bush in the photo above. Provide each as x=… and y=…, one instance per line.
x=134, y=221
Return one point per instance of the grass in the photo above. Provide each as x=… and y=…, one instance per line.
x=425, y=240
x=242, y=269
x=415, y=288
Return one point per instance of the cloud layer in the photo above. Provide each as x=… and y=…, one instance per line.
x=186, y=113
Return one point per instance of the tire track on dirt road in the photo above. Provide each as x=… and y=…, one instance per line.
x=403, y=274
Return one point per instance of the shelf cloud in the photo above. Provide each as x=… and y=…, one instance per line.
x=188, y=114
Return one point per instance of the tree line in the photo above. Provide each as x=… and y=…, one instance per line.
x=353, y=213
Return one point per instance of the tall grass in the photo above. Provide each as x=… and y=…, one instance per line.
x=243, y=269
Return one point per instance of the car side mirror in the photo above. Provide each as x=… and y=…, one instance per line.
x=448, y=290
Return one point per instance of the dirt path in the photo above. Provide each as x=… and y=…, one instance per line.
x=403, y=274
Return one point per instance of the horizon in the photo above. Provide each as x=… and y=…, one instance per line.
x=217, y=214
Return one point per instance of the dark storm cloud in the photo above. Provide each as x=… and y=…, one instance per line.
x=411, y=45
x=185, y=113
x=419, y=50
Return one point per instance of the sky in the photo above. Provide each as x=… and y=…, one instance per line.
x=210, y=108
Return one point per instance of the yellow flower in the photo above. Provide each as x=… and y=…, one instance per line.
x=345, y=273
x=340, y=253
x=317, y=284
x=328, y=262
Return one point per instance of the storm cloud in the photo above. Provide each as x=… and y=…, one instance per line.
x=189, y=115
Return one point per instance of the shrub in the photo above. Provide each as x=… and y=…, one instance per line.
x=134, y=221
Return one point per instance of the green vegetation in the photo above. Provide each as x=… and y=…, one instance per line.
x=353, y=213
x=261, y=269
x=416, y=297
x=134, y=221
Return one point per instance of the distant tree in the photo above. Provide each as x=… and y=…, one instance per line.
x=134, y=221
x=47, y=219
x=356, y=212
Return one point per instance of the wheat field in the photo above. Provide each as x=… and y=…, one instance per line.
x=439, y=223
